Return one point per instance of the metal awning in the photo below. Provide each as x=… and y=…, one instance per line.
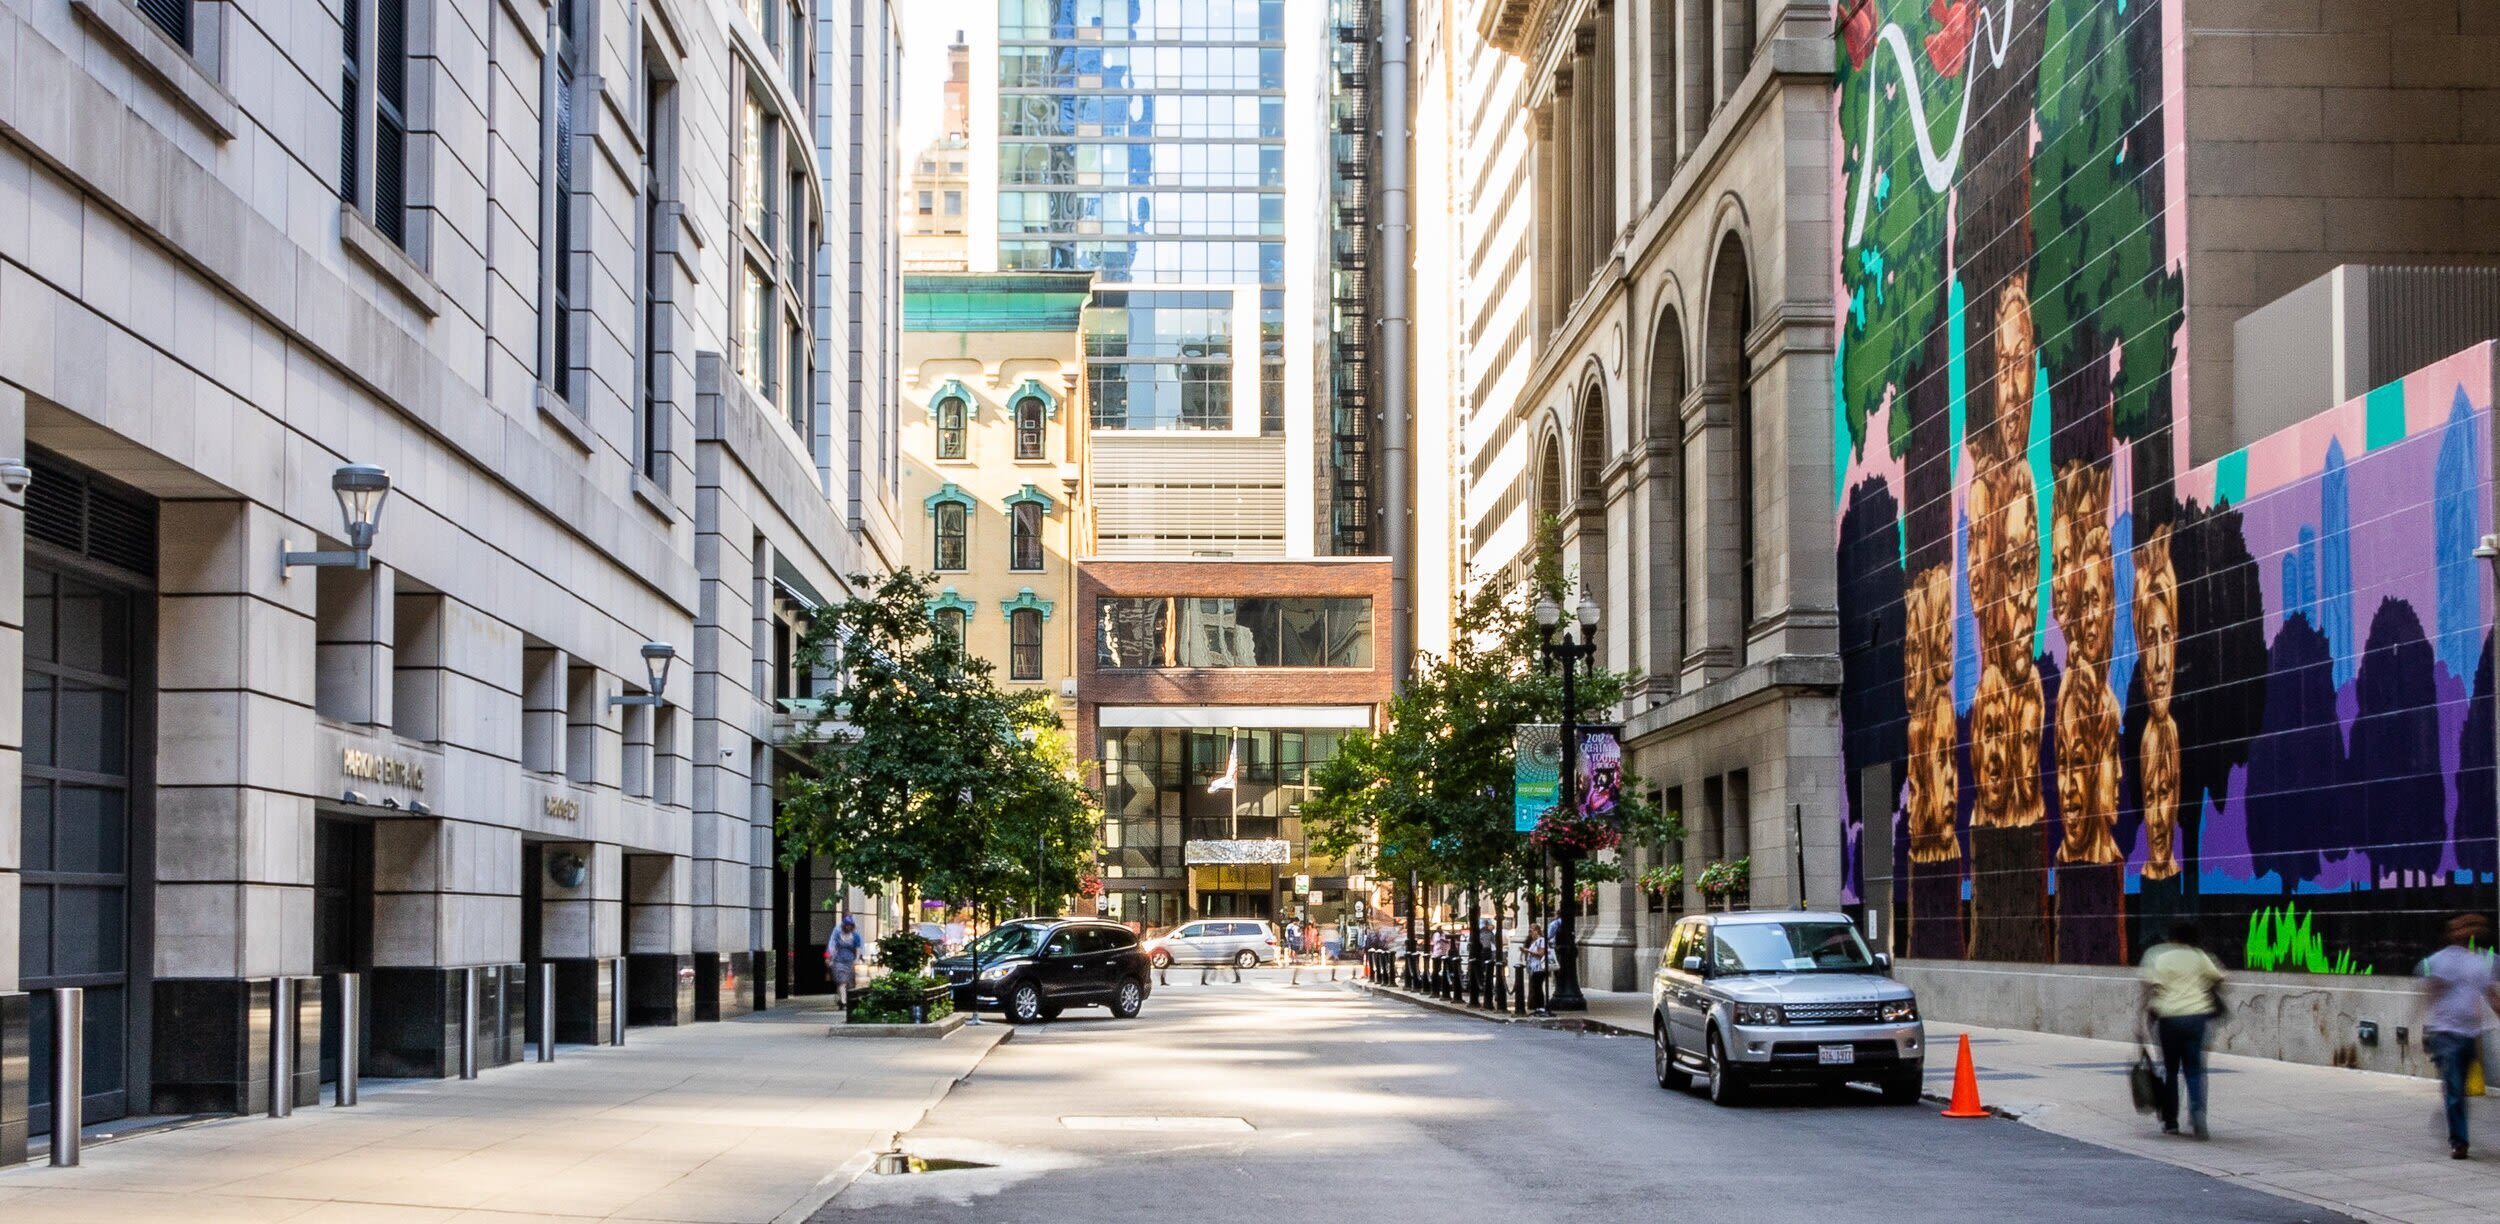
x=1222, y=853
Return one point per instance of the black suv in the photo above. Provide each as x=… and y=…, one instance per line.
x=1034, y=968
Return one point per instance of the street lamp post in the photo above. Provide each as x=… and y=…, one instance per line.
x=1574, y=656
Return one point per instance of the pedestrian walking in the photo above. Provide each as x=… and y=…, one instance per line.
x=2182, y=998
x=2458, y=997
x=1538, y=964
x=842, y=957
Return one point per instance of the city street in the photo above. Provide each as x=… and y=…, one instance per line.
x=1262, y=1101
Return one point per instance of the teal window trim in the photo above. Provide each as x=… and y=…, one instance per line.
x=949, y=601
x=1025, y=599
x=950, y=492
x=954, y=388
x=1028, y=494
x=1033, y=387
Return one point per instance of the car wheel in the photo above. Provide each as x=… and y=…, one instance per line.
x=1025, y=1005
x=1052, y=1011
x=1670, y=1077
x=1904, y=1086
x=1246, y=959
x=1727, y=1084
x=1161, y=959
x=1130, y=1000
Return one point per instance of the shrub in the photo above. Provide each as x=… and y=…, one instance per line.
x=905, y=952
x=889, y=999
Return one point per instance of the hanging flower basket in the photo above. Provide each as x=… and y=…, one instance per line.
x=1588, y=894
x=1726, y=882
x=1569, y=834
x=1090, y=885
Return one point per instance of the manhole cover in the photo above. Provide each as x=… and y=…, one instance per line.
x=1153, y=1122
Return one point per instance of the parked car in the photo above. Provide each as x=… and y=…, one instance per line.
x=1035, y=968
x=1243, y=942
x=1748, y=998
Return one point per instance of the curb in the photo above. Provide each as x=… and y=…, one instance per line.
x=834, y=1183
x=1565, y=1024
x=1584, y=1024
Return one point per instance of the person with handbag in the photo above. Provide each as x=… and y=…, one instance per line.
x=2182, y=997
x=2457, y=990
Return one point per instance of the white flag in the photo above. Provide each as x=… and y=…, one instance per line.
x=1231, y=776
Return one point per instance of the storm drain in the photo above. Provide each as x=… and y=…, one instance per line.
x=1201, y=1124
x=903, y=1162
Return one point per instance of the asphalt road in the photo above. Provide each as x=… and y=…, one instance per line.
x=1266, y=1102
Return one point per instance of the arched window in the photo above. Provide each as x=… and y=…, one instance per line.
x=1549, y=483
x=1730, y=318
x=951, y=440
x=1029, y=418
x=1024, y=634
x=1592, y=445
x=953, y=546
x=1028, y=536
x=951, y=622
x=1668, y=515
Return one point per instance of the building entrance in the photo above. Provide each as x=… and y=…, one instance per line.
x=83, y=916
x=342, y=919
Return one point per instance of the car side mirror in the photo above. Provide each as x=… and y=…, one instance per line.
x=1883, y=963
x=1692, y=964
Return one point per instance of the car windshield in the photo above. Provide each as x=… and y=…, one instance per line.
x=1789, y=947
x=1015, y=940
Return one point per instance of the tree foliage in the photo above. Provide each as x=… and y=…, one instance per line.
x=1430, y=793
x=924, y=774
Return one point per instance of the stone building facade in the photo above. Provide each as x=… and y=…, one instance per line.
x=572, y=276
x=1646, y=238
x=994, y=448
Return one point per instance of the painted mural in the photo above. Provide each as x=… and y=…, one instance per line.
x=2099, y=689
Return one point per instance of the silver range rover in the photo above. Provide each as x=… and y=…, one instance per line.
x=1794, y=996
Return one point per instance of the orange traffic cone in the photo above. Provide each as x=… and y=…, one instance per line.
x=1965, y=1087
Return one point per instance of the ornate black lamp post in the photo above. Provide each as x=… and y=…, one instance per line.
x=1575, y=657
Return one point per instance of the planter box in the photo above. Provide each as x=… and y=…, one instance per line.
x=938, y=1028
x=929, y=999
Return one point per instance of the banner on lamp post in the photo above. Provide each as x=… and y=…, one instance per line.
x=1601, y=772
x=1536, y=777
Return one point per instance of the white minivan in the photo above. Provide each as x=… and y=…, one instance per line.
x=1246, y=943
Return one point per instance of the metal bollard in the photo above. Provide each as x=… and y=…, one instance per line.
x=468, y=1024
x=69, y=1074
x=616, y=1001
x=281, y=1046
x=546, y=1011
x=351, y=1010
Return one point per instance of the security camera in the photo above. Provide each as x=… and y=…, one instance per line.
x=16, y=475
x=1067, y=688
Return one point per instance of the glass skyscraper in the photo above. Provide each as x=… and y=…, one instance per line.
x=1144, y=140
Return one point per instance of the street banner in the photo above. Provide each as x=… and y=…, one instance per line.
x=1601, y=772
x=1536, y=779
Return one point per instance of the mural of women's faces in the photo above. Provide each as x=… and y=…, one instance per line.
x=1927, y=665
x=2156, y=662
x=2088, y=713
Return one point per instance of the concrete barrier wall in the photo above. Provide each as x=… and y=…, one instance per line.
x=2308, y=1018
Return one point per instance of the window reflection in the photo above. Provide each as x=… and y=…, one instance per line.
x=1215, y=631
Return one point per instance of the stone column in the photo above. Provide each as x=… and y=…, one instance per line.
x=728, y=875
x=234, y=815
x=581, y=935
x=446, y=904
x=661, y=980
x=354, y=618
x=16, y=1007
x=1711, y=524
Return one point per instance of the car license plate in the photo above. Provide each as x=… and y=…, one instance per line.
x=1836, y=1055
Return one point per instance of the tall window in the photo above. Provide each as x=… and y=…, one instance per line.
x=753, y=172
x=373, y=126
x=658, y=144
x=1024, y=633
x=1029, y=428
x=952, y=547
x=755, y=329
x=950, y=621
x=950, y=428
x=556, y=204
x=1028, y=537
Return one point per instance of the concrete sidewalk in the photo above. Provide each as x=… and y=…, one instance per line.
x=749, y=1121
x=2368, y=1144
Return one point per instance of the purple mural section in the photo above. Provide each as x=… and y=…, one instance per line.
x=2258, y=695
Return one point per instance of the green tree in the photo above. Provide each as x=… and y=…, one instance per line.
x=925, y=775
x=1430, y=792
